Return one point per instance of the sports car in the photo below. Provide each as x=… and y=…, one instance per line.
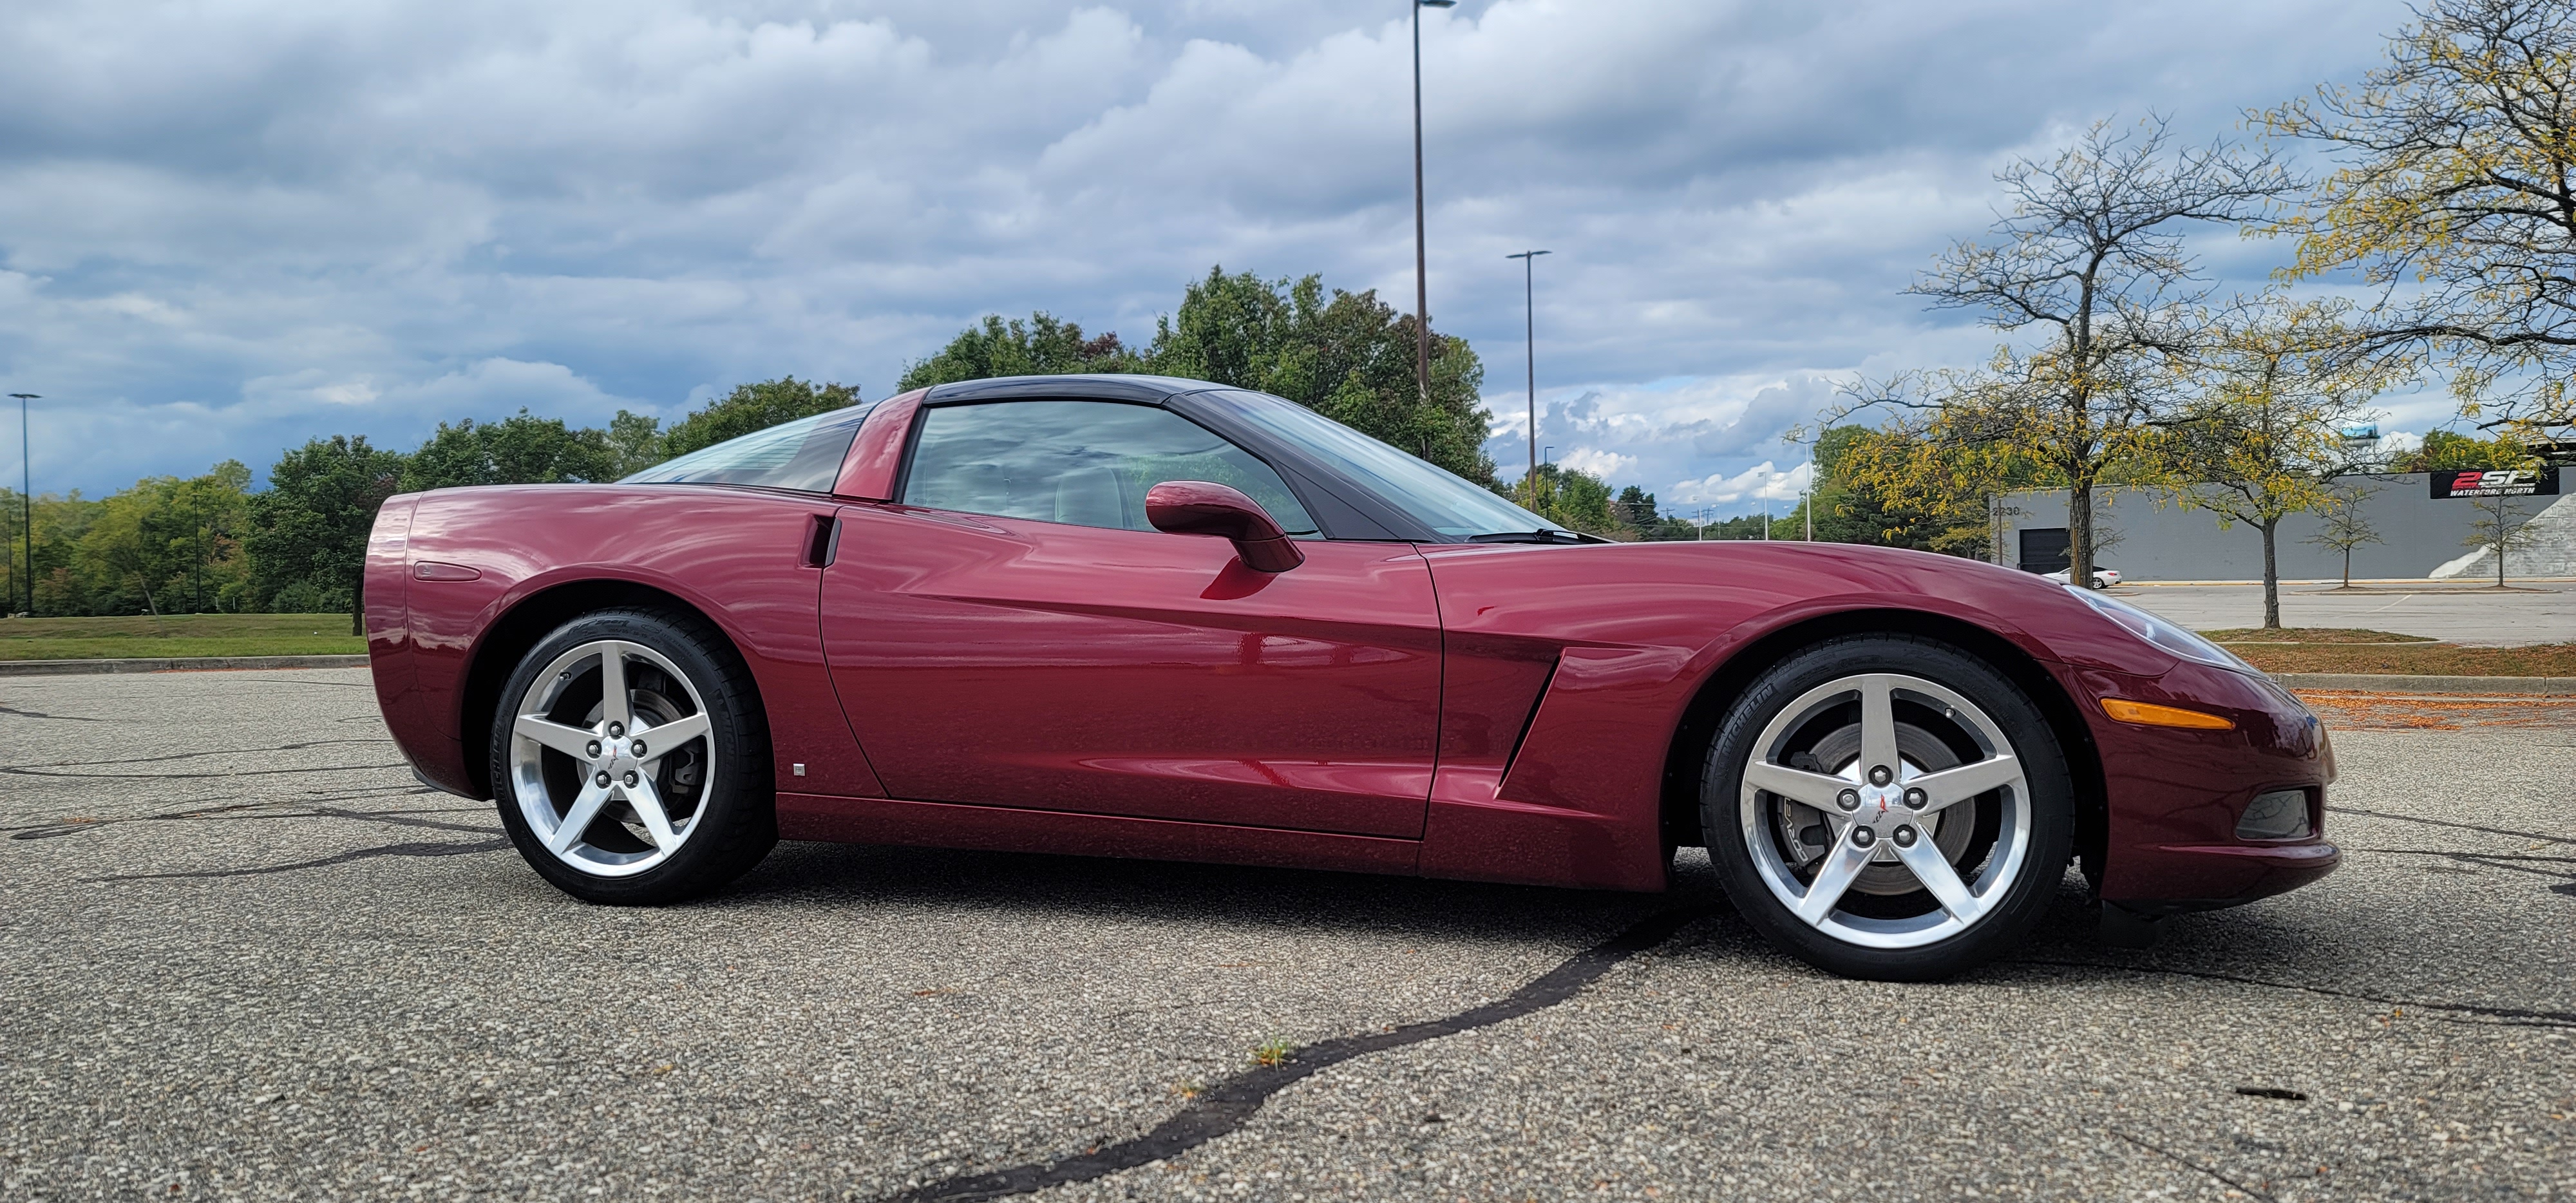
x=1148, y=617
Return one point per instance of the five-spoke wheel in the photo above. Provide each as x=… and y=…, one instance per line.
x=1887, y=807
x=608, y=757
x=625, y=761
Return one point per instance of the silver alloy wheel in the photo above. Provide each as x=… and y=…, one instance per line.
x=599, y=791
x=1875, y=814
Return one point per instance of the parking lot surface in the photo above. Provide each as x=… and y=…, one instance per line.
x=242, y=954
x=2468, y=613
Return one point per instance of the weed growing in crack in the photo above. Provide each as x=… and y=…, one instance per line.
x=1272, y=1052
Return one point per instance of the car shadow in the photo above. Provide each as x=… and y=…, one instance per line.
x=2250, y=946
x=803, y=875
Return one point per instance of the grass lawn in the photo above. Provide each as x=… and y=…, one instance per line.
x=2347, y=650
x=145, y=637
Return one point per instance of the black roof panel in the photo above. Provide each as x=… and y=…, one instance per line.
x=1107, y=386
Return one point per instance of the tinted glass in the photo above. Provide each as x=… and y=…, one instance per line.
x=1435, y=496
x=1086, y=463
x=804, y=454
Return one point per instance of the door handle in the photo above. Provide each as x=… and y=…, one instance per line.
x=822, y=541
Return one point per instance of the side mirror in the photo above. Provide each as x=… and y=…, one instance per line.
x=1199, y=507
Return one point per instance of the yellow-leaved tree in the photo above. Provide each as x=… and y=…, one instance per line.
x=2456, y=194
x=2263, y=439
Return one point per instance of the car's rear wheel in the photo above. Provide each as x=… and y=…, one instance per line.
x=1888, y=807
x=630, y=760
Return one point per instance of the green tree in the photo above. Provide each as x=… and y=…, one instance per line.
x=751, y=407
x=520, y=450
x=165, y=545
x=1347, y=356
x=1638, y=508
x=1854, y=503
x=1040, y=346
x=2457, y=195
x=60, y=522
x=1575, y=500
x=634, y=443
x=308, y=534
x=2450, y=451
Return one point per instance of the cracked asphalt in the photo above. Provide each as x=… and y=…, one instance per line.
x=242, y=954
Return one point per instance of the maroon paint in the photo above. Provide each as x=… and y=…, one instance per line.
x=1009, y=829
x=384, y=590
x=1202, y=507
x=1053, y=667
x=732, y=554
x=1642, y=627
x=876, y=455
x=1497, y=712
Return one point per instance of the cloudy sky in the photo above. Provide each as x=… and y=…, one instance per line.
x=230, y=225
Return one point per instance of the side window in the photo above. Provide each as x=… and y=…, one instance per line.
x=1086, y=463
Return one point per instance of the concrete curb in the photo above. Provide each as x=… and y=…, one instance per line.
x=2390, y=683
x=44, y=668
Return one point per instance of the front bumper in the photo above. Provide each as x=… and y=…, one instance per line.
x=2173, y=796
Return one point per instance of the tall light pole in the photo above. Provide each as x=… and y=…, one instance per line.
x=1529, y=312
x=1421, y=261
x=27, y=498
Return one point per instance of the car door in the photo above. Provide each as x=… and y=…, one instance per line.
x=1011, y=631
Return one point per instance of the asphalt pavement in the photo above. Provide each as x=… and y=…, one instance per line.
x=242, y=954
x=2472, y=613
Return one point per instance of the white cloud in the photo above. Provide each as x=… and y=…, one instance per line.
x=1746, y=489
x=1608, y=465
x=227, y=228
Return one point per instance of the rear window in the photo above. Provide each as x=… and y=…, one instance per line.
x=805, y=454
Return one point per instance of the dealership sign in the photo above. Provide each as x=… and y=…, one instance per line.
x=2499, y=482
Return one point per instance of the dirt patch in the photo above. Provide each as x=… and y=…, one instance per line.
x=2345, y=709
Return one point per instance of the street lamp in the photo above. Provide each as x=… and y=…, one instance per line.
x=1529, y=311
x=27, y=498
x=1421, y=273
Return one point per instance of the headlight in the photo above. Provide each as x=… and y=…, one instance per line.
x=2163, y=634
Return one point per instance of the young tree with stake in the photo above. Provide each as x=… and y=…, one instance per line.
x=2343, y=526
x=2264, y=439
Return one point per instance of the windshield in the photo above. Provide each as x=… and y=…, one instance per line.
x=1434, y=496
x=805, y=454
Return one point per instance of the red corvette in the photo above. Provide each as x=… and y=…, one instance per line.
x=1134, y=616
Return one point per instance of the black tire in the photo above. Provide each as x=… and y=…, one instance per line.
x=732, y=819
x=2012, y=906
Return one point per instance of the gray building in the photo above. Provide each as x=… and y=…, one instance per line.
x=2149, y=536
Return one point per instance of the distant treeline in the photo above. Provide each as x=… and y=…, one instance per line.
x=209, y=544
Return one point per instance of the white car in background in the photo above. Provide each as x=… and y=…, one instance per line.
x=2103, y=578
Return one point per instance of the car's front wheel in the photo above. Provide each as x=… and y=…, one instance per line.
x=1888, y=807
x=630, y=760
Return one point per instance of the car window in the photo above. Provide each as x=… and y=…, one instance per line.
x=1434, y=496
x=1085, y=463
x=805, y=454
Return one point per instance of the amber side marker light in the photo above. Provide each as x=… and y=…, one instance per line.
x=2153, y=715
